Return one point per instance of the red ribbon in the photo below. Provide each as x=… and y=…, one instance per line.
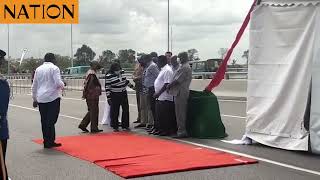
x=217, y=78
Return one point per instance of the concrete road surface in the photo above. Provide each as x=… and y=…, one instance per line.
x=29, y=161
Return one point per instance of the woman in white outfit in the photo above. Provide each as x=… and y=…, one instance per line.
x=106, y=115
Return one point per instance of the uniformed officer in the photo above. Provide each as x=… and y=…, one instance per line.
x=4, y=132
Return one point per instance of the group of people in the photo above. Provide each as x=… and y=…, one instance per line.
x=162, y=93
x=116, y=93
x=161, y=84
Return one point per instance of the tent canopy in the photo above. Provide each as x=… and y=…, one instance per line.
x=289, y=2
x=283, y=60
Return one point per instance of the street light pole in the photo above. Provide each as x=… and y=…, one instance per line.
x=168, y=25
x=171, y=40
x=8, y=49
x=71, y=44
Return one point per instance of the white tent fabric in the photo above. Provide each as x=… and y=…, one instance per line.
x=315, y=97
x=282, y=47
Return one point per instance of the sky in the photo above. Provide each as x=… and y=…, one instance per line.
x=206, y=25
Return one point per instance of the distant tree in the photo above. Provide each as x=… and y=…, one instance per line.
x=84, y=55
x=15, y=67
x=140, y=54
x=30, y=64
x=4, y=67
x=63, y=62
x=193, y=55
x=245, y=55
x=107, y=58
x=126, y=56
x=222, y=52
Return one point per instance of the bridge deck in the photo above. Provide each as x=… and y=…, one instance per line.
x=27, y=160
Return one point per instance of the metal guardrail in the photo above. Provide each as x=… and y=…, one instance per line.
x=228, y=75
x=21, y=83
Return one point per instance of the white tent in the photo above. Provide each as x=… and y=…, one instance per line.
x=284, y=67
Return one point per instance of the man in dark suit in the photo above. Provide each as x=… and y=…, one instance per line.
x=4, y=132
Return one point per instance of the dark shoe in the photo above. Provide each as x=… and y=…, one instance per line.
x=137, y=121
x=150, y=130
x=49, y=146
x=140, y=126
x=85, y=130
x=126, y=129
x=164, y=134
x=56, y=145
x=180, y=136
x=156, y=133
x=149, y=127
x=153, y=131
x=115, y=130
x=96, y=131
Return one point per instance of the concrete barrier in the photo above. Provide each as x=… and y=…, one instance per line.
x=228, y=89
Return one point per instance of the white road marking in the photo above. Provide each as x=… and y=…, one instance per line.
x=221, y=100
x=231, y=116
x=134, y=105
x=36, y=110
x=75, y=99
x=253, y=157
x=237, y=101
x=214, y=148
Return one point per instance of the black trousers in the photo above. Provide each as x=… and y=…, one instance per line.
x=165, y=117
x=117, y=100
x=49, y=115
x=152, y=102
x=3, y=165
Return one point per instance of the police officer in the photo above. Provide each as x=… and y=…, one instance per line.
x=4, y=132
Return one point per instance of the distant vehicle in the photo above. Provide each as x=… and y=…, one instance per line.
x=210, y=65
x=78, y=70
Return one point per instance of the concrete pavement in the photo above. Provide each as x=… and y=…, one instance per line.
x=27, y=160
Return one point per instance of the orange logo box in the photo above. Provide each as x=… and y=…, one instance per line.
x=39, y=12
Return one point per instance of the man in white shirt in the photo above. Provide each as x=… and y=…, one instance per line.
x=165, y=115
x=46, y=92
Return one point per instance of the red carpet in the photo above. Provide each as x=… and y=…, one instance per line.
x=130, y=155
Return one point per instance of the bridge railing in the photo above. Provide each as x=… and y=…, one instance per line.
x=21, y=83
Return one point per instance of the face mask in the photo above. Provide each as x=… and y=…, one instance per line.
x=117, y=72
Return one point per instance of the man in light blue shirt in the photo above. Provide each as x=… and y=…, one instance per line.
x=149, y=77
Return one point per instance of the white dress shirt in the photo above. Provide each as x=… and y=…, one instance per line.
x=47, y=83
x=165, y=77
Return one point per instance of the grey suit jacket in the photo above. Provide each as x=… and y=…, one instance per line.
x=184, y=77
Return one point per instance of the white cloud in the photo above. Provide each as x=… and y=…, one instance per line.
x=206, y=25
